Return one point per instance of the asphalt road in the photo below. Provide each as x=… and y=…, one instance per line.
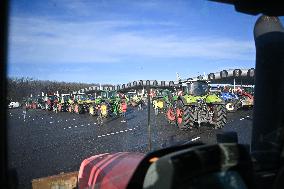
x=48, y=143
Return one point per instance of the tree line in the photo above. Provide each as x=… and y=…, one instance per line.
x=20, y=88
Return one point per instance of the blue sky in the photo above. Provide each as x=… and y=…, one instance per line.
x=119, y=41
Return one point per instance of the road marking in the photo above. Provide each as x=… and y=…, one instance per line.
x=194, y=139
x=117, y=132
x=69, y=127
x=76, y=125
x=42, y=118
x=51, y=122
x=74, y=119
x=88, y=123
x=242, y=119
x=95, y=123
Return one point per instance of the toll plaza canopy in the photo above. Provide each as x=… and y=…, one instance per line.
x=239, y=76
x=230, y=76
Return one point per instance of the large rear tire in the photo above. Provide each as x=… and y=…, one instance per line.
x=219, y=116
x=184, y=116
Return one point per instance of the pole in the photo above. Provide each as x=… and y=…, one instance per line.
x=234, y=84
x=149, y=125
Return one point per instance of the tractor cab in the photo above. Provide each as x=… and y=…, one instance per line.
x=196, y=88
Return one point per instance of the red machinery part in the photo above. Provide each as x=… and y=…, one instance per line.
x=108, y=171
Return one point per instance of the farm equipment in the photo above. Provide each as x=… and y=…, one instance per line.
x=107, y=104
x=62, y=105
x=197, y=106
x=82, y=103
x=161, y=100
x=232, y=101
x=50, y=102
x=246, y=98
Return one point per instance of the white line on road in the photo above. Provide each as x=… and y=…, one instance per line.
x=75, y=125
x=194, y=139
x=125, y=130
x=121, y=131
x=103, y=135
x=108, y=134
x=112, y=133
x=130, y=129
x=74, y=119
x=51, y=122
x=69, y=127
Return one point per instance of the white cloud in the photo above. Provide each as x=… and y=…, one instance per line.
x=46, y=40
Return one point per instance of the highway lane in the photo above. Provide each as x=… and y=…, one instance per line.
x=47, y=143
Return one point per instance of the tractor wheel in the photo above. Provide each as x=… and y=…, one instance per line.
x=219, y=116
x=171, y=116
x=184, y=116
x=231, y=107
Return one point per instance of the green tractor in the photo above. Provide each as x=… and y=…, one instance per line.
x=62, y=105
x=161, y=100
x=109, y=103
x=82, y=103
x=196, y=106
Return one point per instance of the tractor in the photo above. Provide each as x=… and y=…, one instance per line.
x=246, y=97
x=196, y=105
x=108, y=103
x=62, y=105
x=232, y=101
x=81, y=103
x=50, y=102
x=161, y=100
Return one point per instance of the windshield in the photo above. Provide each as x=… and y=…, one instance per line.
x=197, y=88
x=141, y=50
